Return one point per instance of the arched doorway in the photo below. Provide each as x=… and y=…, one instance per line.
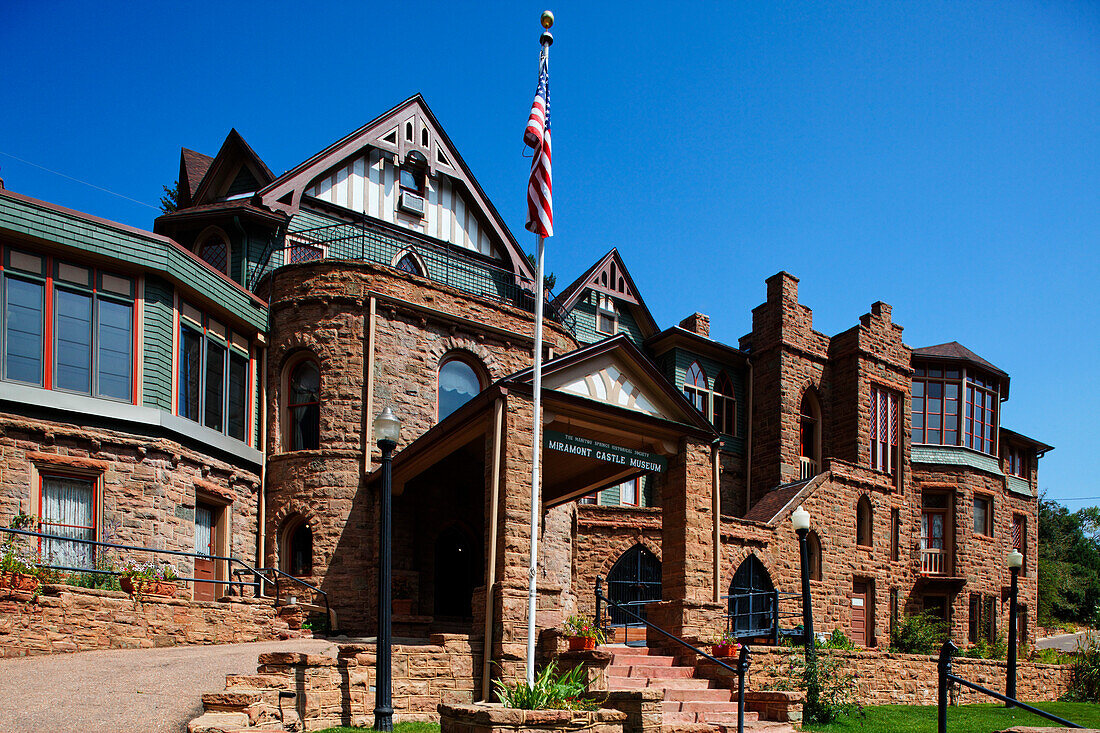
x=752, y=600
x=456, y=573
x=634, y=581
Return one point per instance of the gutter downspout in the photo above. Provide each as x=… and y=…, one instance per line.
x=748, y=461
x=716, y=510
x=491, y=576
x=261, y=431
x=368, y=403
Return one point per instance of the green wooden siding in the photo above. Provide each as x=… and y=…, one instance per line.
x=676, y=365
x=646, y=498
x=157, y=339
x=585, y=313
x=147, y=251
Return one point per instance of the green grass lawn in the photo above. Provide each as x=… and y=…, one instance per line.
x=406, y=727
x=963, y=719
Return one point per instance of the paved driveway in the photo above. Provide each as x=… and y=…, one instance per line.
x=125, y=690
x=1065, y=642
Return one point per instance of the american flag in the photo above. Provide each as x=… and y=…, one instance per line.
x=540, y=197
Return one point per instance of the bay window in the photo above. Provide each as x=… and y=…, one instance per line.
x=955, y=406
x=82, y=317
x=213, y=378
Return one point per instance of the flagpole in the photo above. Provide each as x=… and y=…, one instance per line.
x=536, y=427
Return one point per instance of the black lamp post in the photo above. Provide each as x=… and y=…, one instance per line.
x=800, y=518
x=386, y=429
x=1015, y=562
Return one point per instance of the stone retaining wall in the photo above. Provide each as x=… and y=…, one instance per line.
x=883, y=678
x=68, y=619
x=485, y=718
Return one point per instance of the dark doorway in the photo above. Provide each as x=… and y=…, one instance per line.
x=456, y=573
x=634, y=581
x=752, y=600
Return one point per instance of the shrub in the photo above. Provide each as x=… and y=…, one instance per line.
x=838, y=640
x=836, y=688
x=920, y=633
x=1084, y=685
x=552, y=691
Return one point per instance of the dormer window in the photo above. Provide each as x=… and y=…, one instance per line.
x=607, y=318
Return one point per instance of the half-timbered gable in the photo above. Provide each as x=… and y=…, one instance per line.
x=604, y=301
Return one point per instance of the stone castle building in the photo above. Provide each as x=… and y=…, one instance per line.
x=211, y=385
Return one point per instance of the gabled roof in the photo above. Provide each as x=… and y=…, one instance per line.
x=285, y=192
x=678, y=336
x=639, y=385
x=610, y=277
x=193, y=166
x=776, y=505
x=1037, y=445
x=954, y=351
x=234, y=154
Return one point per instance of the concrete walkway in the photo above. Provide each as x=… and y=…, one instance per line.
x=1063, y=642
x=125, y=690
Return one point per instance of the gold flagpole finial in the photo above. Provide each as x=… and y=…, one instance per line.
x=547, y=19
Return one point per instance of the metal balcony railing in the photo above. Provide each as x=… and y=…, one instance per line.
x=809, y=468
x=469, y=272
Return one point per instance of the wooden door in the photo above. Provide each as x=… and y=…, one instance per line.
x=859, y=613
x=204, y=545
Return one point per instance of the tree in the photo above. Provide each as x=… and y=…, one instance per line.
x=1069, y=563
x=169, y=202
x=548, y=280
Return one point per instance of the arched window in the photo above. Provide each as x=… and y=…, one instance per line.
x=297, y=548
x=458, y=384
x=214, y=250
x=409, y=263
x=752, y=600
x=696, y=388
x=303, y=405
x=864, y=522
x=725, y=405
x=810, y=435
x=633, y=582
x=813, y=549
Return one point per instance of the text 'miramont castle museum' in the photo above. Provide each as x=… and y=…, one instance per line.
x=211, y=384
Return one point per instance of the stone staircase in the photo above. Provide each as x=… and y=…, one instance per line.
x=690, y=703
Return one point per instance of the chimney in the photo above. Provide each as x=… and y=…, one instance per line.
x=697, y=323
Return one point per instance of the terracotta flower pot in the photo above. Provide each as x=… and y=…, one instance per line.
x=19, y=581
x=722, y=650
x=582, y=643
x=5, y=579
x=147, y=587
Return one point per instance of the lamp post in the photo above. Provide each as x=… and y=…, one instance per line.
x=386, y=429
x=1015, y=562
x=800, y=518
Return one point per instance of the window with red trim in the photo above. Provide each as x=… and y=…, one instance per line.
x=696, y=388
x=304, y=406
x=1016, y=463
x=213, y=377
x=67, y=326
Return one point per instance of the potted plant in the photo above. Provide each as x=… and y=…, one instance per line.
x=725, y=645
x=582, y=633
x=18, y=570
x=147, y=579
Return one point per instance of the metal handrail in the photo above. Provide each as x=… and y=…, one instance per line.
x=775, y=595
x=949, y=650
x=309, y=586
x=742, y=659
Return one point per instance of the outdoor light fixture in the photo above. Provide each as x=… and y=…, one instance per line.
x=1015, y=561
x=387, y=428
x=800, y=519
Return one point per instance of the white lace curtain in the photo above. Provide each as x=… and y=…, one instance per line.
x=68, y=511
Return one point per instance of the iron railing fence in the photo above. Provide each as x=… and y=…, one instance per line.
x=756, y=613
x=470, y=273
x=742, y=663
x=237, y=567
x=947, y=651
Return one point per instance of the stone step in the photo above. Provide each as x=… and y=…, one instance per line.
x=698, y=706
x=230, y=701
x=647, y=660
x=257, y=681
x=726, y=719
x=626, y=683
x=637, y=670
x=691, y=683
x=626, y=651
x=717, y=694
x=218, y=723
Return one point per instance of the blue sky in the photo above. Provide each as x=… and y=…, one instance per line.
x=943, y=157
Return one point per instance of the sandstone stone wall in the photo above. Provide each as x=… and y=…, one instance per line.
x=147, y=487
x=68, y=619
x=322, y=310
x=601, y=536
